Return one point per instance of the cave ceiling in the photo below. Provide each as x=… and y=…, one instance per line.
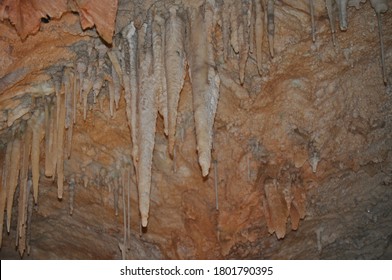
x=209, y=129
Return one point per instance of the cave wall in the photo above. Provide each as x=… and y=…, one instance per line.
x=300, y=162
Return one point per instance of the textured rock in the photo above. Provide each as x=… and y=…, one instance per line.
x=27, y=15
x=304, y=167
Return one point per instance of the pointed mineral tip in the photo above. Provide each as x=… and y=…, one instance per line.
x=144, y=220
x=204, y=164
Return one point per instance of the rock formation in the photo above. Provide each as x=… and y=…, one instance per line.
x=195, y=129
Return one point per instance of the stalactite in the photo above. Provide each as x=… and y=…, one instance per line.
x=114, y=59
x=30, y=204
x=126, y=75
x=87, y=87
x=205, y=86
x=311, y=9
x=225, y=25
x=298, y=206
x=75, y=97
x=69, y=97
x=294, y=218
x=13, y=177
x=116, y=78
x=22, y=244
x=381, y=6
x=252, y=32
x=115, y=194
x=331, y=15
x=69, y=141
x=244, y=36
x=233, y=17
x=102, y=50
x=23, y=190
x=37, y=127
x=342, y=8
x=278, y=210
x=81, y=68
x=111, y=94
x=68, y=89
x=271, y=25
x=175, y=159
x=148, y=110
x=314, y=160
x=50, y=119
x=98, y=82
x=71, y=189
x=60, y=143
x=175, y=69
x=4, y=186
x=159, y=35
x=51, y=141
x=259, y=33
x=132, y=37
x=314, y=156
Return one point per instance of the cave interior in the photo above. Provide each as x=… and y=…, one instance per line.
x=205, y=129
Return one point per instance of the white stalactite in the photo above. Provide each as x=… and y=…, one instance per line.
x=132, y=37
x=175, y=69
x=148, y=111
x=205, y=83
x=159, y=62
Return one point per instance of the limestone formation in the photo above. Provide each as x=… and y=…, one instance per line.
x=299, y=125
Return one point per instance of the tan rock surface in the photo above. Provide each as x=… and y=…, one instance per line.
x=304, y=167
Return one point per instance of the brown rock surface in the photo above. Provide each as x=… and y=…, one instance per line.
x=303, y=151
x=27, y=15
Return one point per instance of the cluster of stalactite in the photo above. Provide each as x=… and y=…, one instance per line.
x=51, y=120
x=147, y=65
x=284, y=197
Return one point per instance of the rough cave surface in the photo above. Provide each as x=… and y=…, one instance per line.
x=301, y=159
